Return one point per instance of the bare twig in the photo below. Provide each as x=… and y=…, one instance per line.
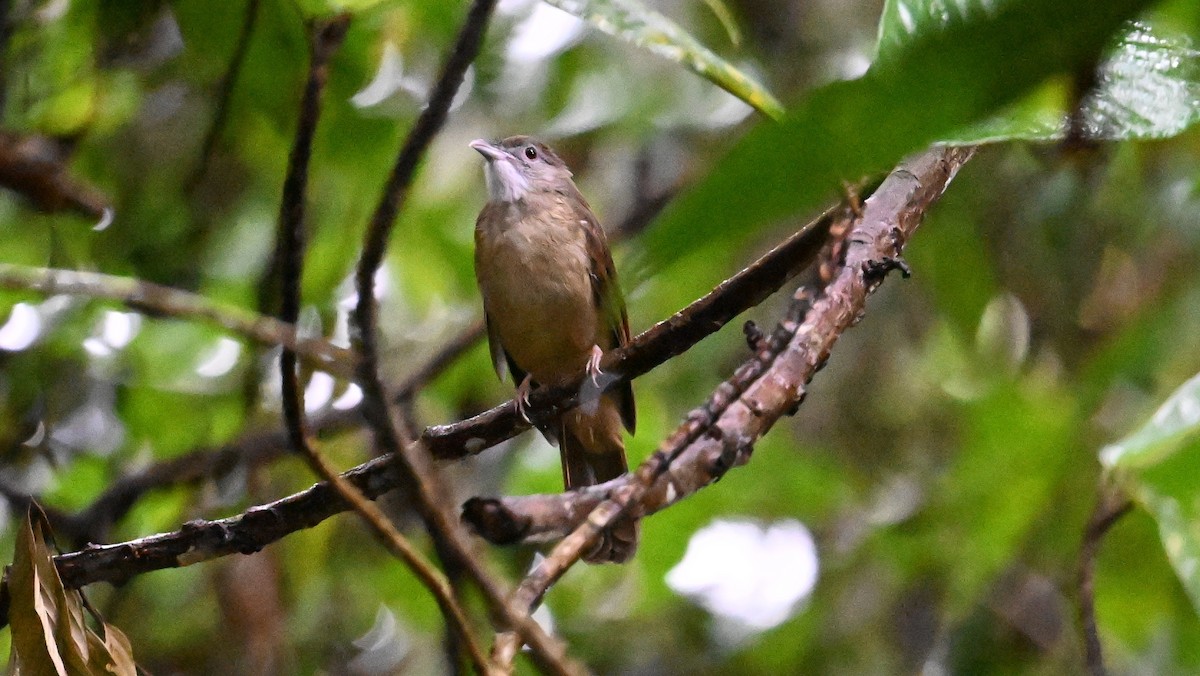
x=1111, y=505
x=225, y=89
x=164, y=300
x=416, y=469
x=722, y=434
x=326, y=37
x=35, y=166
x=92, y=523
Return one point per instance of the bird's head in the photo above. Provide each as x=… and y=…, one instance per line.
x=520, y=165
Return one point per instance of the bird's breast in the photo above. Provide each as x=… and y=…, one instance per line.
x=534, y=273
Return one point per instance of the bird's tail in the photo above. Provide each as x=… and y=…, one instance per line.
x=593, y=452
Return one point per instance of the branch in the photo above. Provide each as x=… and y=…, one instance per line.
x=722, y=434
x=326, y=37
x=305, y=509
x=415, y=465
x=1110, y=507
x=156, y=299
x=225, y=91
x=92, y=524
x=36, y=167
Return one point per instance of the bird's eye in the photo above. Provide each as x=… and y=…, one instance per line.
x=530, y=152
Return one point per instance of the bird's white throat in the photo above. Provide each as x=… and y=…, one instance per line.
x=505, y=182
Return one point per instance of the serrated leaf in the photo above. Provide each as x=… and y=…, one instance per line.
x=1168, y=430
x=940, y=82
x=634, y=23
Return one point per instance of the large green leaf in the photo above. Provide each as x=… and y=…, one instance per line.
x=630, y=21
x=1172, y=426
x=1146, y=87
x=1160, y=462
x=940, y=82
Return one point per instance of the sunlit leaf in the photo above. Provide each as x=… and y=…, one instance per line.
x=728, y=22
x=1147, y=86
x=1160, y=461
x=942, y=81
x=629, y=20
x=1168, y=430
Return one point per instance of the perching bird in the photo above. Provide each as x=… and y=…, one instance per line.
x=553, y=307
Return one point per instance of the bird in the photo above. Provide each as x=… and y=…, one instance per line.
x=553, y=307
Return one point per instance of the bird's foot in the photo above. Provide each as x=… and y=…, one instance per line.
x=593, y=364
x=522, y=398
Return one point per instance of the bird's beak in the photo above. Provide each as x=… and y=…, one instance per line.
x=490, y=151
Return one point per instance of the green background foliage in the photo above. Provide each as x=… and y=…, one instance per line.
x=946, y=462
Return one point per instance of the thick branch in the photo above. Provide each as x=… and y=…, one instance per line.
x=667, y=338
x=721, y=434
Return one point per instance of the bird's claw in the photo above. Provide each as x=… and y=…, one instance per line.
x=593, y=364
x=522, y=399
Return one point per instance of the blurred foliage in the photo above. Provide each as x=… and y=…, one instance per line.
x=945, y=462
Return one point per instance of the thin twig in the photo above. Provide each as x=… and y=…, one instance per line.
x=415, y=465
x=327, y=36
x=1111, y=505
x=225, y=89
x=156, y=299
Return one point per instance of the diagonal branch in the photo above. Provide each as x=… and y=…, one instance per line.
x=225, y=89
x=722, y=434
x=262, y=525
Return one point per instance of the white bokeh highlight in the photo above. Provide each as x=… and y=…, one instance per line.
x=755, y=575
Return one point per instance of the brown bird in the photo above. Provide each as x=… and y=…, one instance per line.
x=553, y=307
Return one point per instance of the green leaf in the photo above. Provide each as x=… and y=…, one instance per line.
x=940, y=82
x=1159, y=462
x=630, y=21
x=721, y=11
x=1175, y=510
x=1166, y=432
x=1146, y=87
